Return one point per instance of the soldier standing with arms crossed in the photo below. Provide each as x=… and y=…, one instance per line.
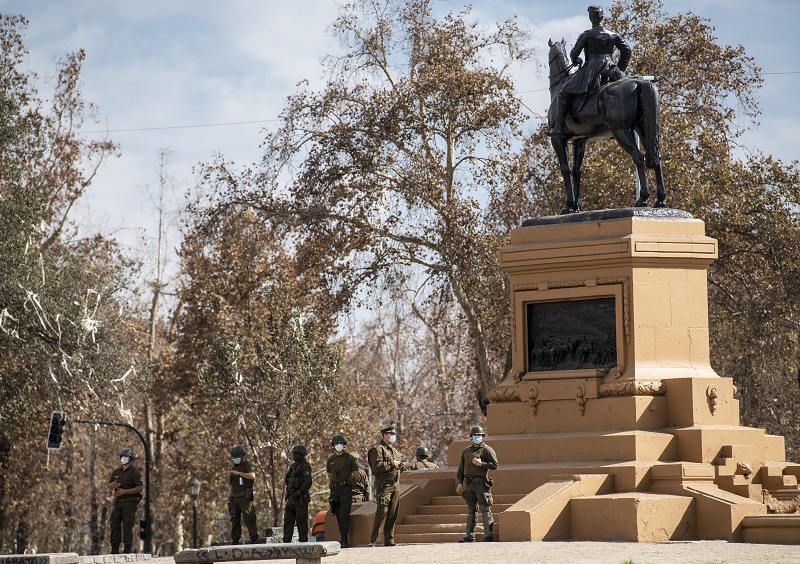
x=298, y=482
x=342, y=468
x=241, y=478
x=126, y=485
x=386, y=463
x=474, y=484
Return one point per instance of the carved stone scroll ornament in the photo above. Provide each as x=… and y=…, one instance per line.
x=617, y=389
x=504, y=394
x=580, y=397
x=712, y=395
x=533, y=398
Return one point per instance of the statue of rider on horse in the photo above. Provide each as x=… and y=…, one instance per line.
x=599, y=101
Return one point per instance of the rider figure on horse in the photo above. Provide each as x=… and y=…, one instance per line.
x=598, y=44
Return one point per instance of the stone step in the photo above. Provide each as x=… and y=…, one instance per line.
x=457, y=499
x=771, y=529
x=434, y=519
x=454, y=527
x=436, y=538
x=456, y=509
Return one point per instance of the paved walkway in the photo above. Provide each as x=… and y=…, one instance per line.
x=701, y=552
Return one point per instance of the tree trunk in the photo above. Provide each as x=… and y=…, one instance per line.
x=486, y=379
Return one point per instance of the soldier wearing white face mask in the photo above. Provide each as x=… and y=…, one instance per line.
x=342, y=468
x=241, y=505
x=126, y=485
x=475, y=485
x=386, y=463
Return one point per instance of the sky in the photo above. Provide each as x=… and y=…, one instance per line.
x=205, y=77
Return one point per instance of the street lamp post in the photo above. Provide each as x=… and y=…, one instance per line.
x=194, y=491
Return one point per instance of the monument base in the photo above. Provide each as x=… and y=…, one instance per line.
x=612, y=424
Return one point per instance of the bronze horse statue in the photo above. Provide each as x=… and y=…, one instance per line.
x=618, y=110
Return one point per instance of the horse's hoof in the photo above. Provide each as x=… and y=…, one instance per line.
x=640, y=204
x=660, y=204
x=565, y=211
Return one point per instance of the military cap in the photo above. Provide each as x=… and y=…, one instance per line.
x=595, y=9
x=388, y=429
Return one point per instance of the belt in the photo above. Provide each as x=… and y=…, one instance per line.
x=598, y=56
x=336, y=484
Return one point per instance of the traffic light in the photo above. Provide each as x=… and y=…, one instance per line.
x=57, y=422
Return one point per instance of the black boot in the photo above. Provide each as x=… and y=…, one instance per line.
x=468, y=538
x=488, y=533
x=115, y=549
x=343, y=539
x=128, y=549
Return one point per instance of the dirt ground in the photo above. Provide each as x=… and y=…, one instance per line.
x=703, y=552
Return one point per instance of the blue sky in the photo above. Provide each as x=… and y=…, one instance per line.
x=160, y=70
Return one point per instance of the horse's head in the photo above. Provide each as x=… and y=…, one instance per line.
x=557, y=58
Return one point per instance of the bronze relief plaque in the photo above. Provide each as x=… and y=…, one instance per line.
x=572, y=335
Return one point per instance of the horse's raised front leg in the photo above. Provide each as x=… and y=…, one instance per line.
x=560, y=147
x=627, y=140
x=578, y=150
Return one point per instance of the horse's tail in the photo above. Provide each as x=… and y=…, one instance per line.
x=650, y=123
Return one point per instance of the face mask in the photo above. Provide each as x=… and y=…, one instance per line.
x=237, y=460
x=477, y=439
x=392, y=438
x=124, y=459
x=339, y=447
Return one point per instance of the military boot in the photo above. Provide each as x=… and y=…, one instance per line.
x=343, y=539
x=488, y=533
x=115, y=549
x=128, y=549
x=468, y=538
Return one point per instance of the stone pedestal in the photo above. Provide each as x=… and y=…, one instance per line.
x=611, y=376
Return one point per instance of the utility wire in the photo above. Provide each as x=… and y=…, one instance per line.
x=274, y=120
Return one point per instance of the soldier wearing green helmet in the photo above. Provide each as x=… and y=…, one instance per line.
x=298, y=482
x=241, y=477
x=126, y=485
x=475, y=485
x=422, y=453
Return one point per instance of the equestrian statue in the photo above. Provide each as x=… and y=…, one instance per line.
x=598, y=101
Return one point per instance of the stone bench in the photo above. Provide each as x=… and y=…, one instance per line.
x=50, y=558
x=302, y=552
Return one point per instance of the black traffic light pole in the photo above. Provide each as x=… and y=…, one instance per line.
x=148, y=546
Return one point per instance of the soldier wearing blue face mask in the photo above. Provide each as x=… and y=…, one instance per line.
x=475, y=485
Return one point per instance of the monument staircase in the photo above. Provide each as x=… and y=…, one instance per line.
x=612, y=424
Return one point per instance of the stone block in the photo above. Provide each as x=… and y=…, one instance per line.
x=306, y=552
x=772, y=529
x=544, y=513
x=635, y=516
x=45, y=558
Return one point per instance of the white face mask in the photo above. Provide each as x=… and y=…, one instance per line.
x=237, y=460
x=477, y=439
x=392, y=438
x=124, y=459
x=339, y=447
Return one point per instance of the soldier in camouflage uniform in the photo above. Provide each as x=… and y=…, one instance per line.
x=386, y=463
x=126, y=485
x=361, y=487
x=422, y=454
x=240, y=503
x=298, y=482
x=342, y=468
x=474, y=484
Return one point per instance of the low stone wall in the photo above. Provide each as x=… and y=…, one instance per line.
x=113, y=558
